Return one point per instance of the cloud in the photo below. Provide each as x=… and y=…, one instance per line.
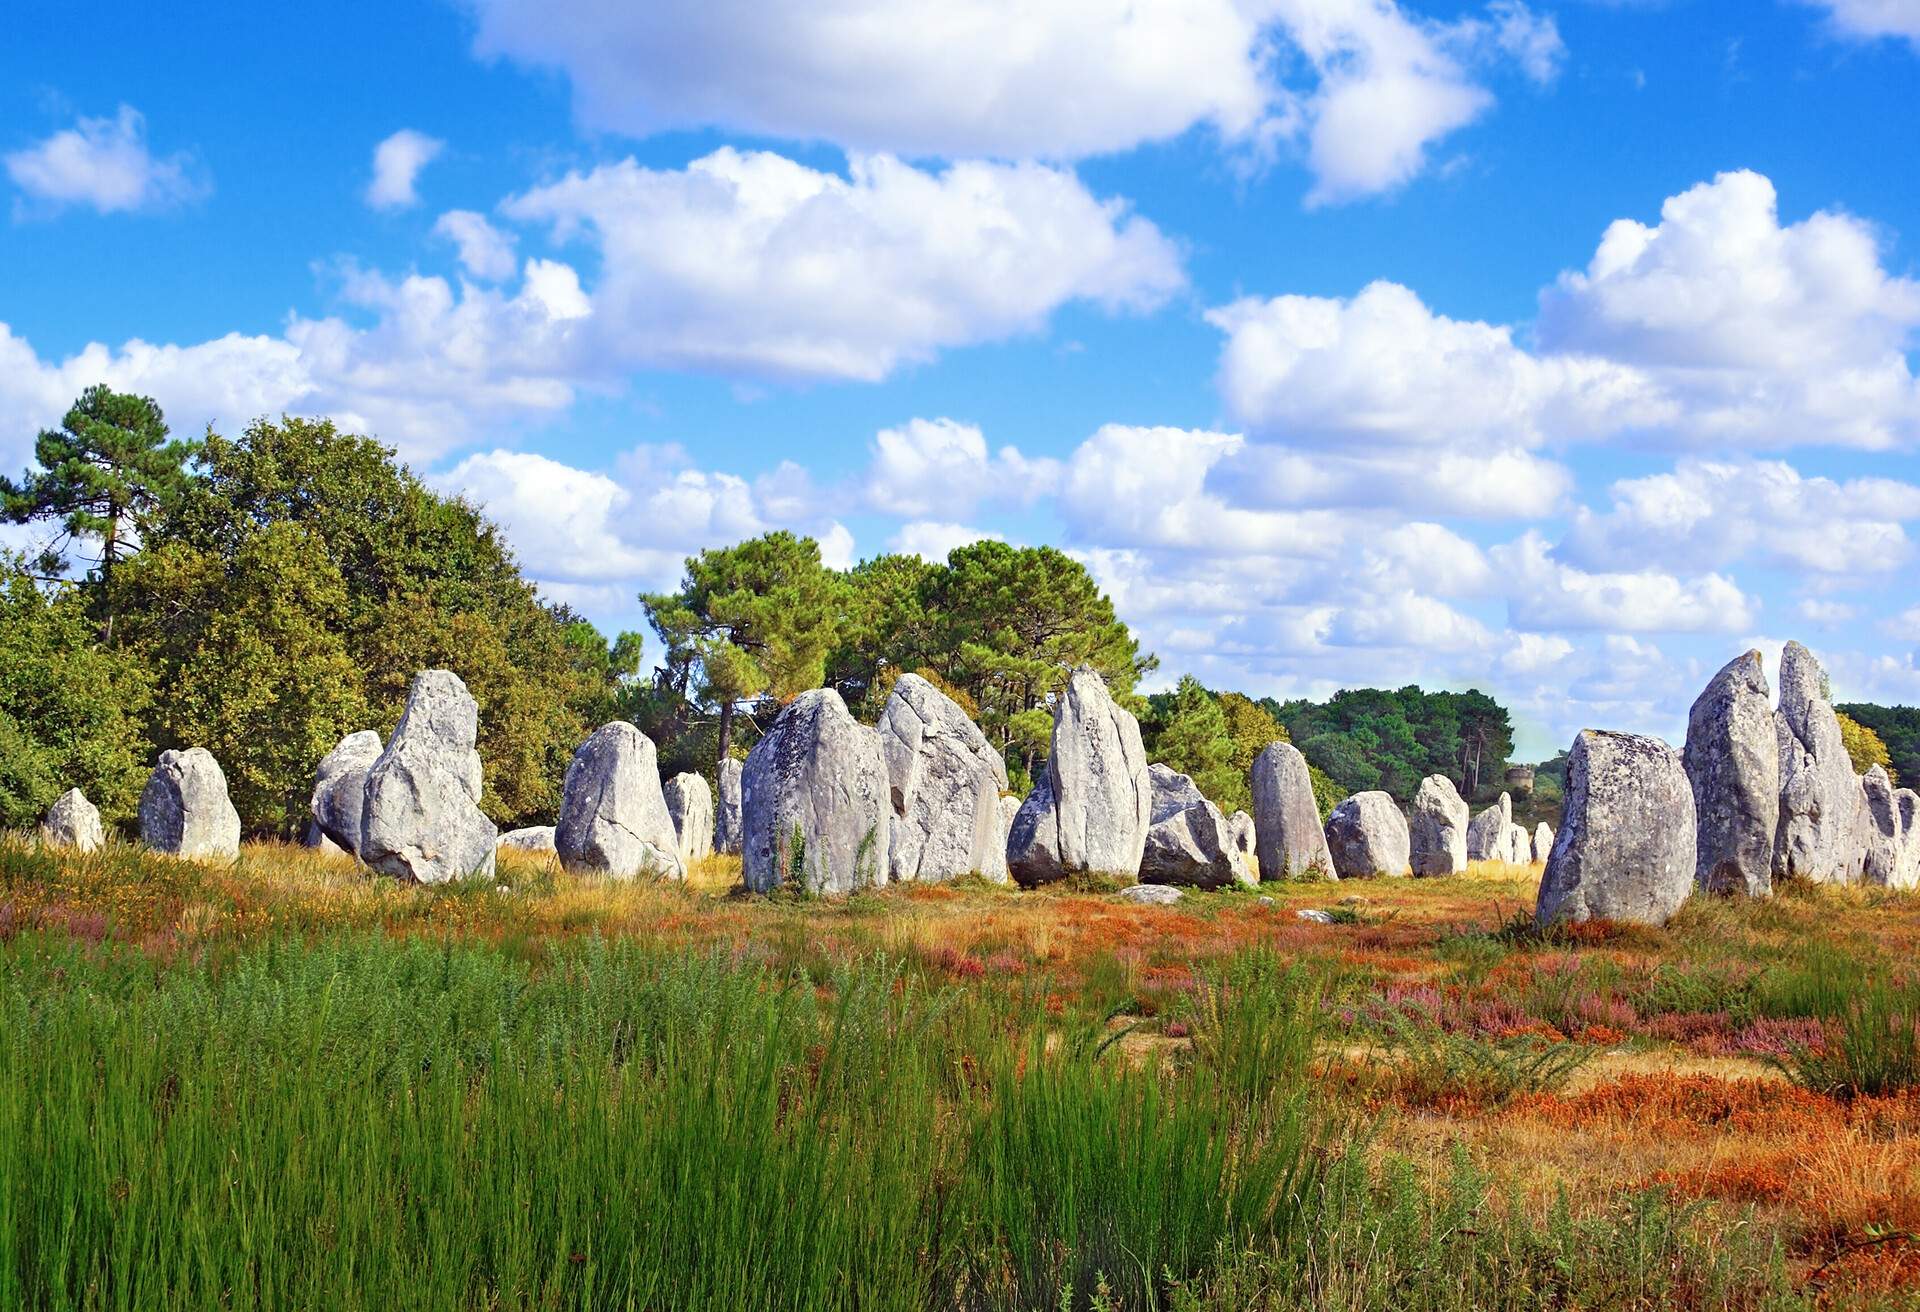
x=1547, y=595
x=748, y=263
x=397, y=162
x=1362, y=88
x=932, y=540
x=102, y=163
x=1868, y=20
x=929, y=466
x=485, y=251
x=1718, y=327
x=1496, y=484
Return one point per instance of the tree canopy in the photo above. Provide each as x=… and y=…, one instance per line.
x=1368, y=738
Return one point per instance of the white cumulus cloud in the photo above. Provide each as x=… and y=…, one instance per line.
x=104, y=164
x=1869, y=19
x=397, y=162
x=485, y=251
x=1546, y=594
x=929, y=466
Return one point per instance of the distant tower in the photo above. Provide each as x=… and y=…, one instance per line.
x=1520, y=779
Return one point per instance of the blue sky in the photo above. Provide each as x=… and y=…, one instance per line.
x=1565, y=350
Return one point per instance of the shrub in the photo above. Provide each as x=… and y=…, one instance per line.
x=1872, y=1048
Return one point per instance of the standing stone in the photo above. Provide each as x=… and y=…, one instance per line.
x=1286, y=820
x=1367, y=835
x=1818, y=834
x=1519, y=846
x=339, y=801
x=1733, y=764
x=315, y=837
x=815, y=811
x=726, y=811
x=533, y=838
x=1907, y=873
x=1438, y=828
x=72, y=821
x=1005, y=809
x=423, y=821
x=613, y=814
x=690, y=804
x=1489, y=837
x=1626, y=845
x=185, y=810
x=1244, y=836
x=1542, y=841
x=1092, y=810
x=1883, y=836
x=1190, y=843
x=944, y=784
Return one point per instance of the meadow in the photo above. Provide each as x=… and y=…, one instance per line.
x=281, y=1084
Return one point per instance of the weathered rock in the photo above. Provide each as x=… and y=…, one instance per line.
x=1625, y=850
x=1438, y=828
x=1314, y=916
x=1883, y=837
x=533, y=838
x=185, y=810
x=726, y=808
x=1092, y=810
x=944, y=785
x=315, y=837
x=1157, y=895
x=74, y=822
x=1542, y=841
x=1190, y=843
x=1818, y=834
x=1367, y=835
x=1907, y=873
x=1490, y=836
x=1006, y=809
x=613, y=814
x=1733, y=764
x=339, y=801
x=690, y=806
x=1288, y=837
x=1519, y=846
x=815, y=810
x=423, y=821
x=1245, y=839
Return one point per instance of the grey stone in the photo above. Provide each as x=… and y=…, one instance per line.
x=1438, y=828
x=423, y=821
x=1093, y=808
x=1519, y=846
x=1626, y=845
x=815, y=808
x=944, y=784
x=185, y=810
x=315, y=837
x=1368, y=835
x=726, y=809
x=1733, y=764
x=1490, y=836
x=1314, y=916
x=1290, y=842
x=1907, y=873
x=339, y=801
x=1542, y=841
x=613, y=814
x=1818, y=834
x=73, y=822
x=1190, y=843
x=1156, y=895
x=1245, y=839
x=690, y=806
x=1883, y=836
x=533, y=838
x=1006, y=808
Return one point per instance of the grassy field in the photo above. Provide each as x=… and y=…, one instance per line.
x=282, y=1084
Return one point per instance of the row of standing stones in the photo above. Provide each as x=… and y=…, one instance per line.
x=828, y=805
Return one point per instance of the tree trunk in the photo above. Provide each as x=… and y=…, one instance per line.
x=726, y=731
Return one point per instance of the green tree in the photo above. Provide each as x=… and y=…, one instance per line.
x=1898, y=727
x=71, y=708
x=885, y=625
x=104, y=475
x=1864, y=747
x=751, y=620
x=1187, y=729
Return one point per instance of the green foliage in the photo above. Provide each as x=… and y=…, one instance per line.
x=1864, y=747
x=1187, y=730
x=1898, y=728
x=71, y=707
x=1429, y=1065
x=106, y=473
x=1872, y=1049
x=1327, y=793
x=1370, y=738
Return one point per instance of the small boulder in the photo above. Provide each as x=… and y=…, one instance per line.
x=185, y=810
x=533, y=838
x=944, y=784
x=315, y=837
x=815, y=814
x=1883, y=836
x=1490, y=836
x=1626, y=845
x=339, y=801
x=1190, y=843
x=1519, y=846
x=1153, y=895
x=1733, y=764
x=1542, y=841
x=1438, y=828
x=690, y=804
x=1314, y=916
x=73, y=822
x=1092, y=810
x=422, y=821
x=1818, y=834
x=726, y=808
x=613, y=814
x=1286, y=819
x=1367, y=835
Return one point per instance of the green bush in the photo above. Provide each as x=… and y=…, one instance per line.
x=1872, y=1047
